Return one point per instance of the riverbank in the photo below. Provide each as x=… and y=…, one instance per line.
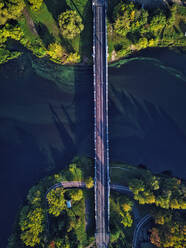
x=129, y=32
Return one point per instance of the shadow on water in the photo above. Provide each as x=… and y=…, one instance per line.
x=69, y=147
x=83, y=99
x=145, y=133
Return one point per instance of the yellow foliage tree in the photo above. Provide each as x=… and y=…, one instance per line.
x=89, y=183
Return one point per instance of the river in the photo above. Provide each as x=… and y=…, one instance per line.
x=46, y=118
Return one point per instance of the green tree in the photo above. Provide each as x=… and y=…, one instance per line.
x=73, y=58
x=76, y=195
x=70, y=24
x=75, y=172
x=126, y=219
x=128, y=18
x=158, y=22
x=136, y=185
x=35, y=4
x=56, y=201
x=56, y=52
x=34, y=195
x=10, y=9
x=126, y=204
x=31, y=224
x=89, y=183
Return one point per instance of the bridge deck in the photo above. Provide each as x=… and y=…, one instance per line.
x=101, y=125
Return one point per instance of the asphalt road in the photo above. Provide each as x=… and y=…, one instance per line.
x=101, y=125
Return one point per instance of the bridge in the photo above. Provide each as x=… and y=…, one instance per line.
x=101, y=180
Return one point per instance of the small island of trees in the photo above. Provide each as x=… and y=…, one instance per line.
x=53, y=215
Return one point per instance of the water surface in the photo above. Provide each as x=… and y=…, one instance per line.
x=46, y=118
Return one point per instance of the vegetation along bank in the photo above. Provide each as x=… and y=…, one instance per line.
x=62, y=30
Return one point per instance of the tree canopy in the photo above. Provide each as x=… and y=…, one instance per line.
x=31, y=224
x=56, y=201
x=35, y=4
x=10, y=9
x=70, y=24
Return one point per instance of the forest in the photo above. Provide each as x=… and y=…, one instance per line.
x=61, y=31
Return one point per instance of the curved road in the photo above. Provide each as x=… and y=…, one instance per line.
x=120, y=188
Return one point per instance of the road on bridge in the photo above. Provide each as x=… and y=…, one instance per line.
x=102, y=180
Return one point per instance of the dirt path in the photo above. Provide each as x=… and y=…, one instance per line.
x=29, y=21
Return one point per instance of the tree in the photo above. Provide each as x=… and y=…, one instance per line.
x=56, y=52
x=126, y=219
x=56, y=201
x=127, y=204
x=158, y=22
x=76, y=195
x=11, y=9
x=128, y=18
x=31, y=224
x=154, y=237
x=89, y=183
x=73, y=58
x=75, y=172
x=34, y=195
x=70, y=24
x=136, y=185
x=35, y=4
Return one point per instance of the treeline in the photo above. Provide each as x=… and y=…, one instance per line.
x=19, y=21
x=166, y=200
x=45, y=219
x=169, y=229
x=164, y=192
x=121, y=221
x=132, y=27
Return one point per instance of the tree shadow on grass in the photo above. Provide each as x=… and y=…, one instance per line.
x=44, y=34
x=66, y=44
x=86, y=36
x=56, y=7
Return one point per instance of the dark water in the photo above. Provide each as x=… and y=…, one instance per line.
x=46, y=119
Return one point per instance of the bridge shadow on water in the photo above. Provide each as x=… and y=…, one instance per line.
x=143, y=133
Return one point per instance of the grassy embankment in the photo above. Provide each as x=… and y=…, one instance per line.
x=39, y=29
x=130, y=29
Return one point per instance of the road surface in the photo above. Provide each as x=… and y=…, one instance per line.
x=101, y=124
